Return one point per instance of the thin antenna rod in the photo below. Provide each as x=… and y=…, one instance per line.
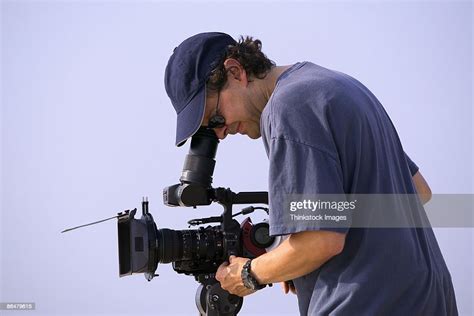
x=103, y=220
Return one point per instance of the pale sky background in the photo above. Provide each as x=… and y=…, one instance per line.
x=87, y=130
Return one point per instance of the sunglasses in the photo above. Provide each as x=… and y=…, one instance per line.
x=217, y=120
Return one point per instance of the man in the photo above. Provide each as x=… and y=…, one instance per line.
x=324, y=133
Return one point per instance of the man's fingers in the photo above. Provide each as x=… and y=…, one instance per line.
x=223, y=265
x=219, y=272
x=288, y=286
x=231, y=258
x=291, y=286
x=293, y=290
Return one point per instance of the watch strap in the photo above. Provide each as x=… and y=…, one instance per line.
x=249, y=281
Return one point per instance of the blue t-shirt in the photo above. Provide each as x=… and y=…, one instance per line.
x=326, y=133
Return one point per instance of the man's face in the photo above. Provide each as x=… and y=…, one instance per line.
x=235, y=105
x=238, y=118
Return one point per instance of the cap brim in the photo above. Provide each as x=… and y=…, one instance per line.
x=190, y=118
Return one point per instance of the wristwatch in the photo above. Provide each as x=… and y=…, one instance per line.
x=249, y=281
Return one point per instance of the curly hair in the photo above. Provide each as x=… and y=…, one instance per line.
x=248, y=52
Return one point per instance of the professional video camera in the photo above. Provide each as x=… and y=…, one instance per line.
x=197, y=252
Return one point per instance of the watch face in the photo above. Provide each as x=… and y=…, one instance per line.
x=252, y=285
x=247, y=279
x=248, y=284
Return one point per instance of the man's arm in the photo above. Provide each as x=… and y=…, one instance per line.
x=298, y=255
x=422, y=187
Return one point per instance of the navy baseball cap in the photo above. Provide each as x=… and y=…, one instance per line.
x=185, y=78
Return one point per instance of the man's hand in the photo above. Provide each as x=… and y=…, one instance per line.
x=229, y=275
x=422, y=188
x=288, y=286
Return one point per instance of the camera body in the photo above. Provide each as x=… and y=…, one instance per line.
x=192, y=252
x=197, y=252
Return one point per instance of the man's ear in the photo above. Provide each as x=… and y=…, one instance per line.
x=235, y=70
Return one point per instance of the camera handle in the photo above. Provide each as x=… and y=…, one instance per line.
x=212, y=300
x=227, y=199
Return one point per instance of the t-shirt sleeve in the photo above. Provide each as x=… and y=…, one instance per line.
x=299, y=169
x=411, y=165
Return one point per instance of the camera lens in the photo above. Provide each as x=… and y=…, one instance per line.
x=189, y=245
